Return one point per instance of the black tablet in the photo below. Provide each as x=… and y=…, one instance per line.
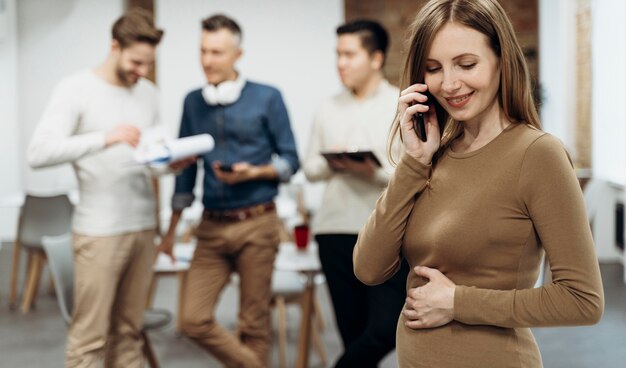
x=353, y=155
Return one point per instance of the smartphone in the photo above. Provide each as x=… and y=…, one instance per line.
x=226, y=168
x=419, y=125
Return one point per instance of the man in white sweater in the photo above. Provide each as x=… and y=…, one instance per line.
x=93, y=120
x=356, y=119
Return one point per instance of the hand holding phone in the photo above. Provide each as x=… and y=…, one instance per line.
x=225, y=167
x=422, y=142
x=419, y=125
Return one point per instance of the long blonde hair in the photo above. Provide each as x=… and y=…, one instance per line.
x=487, y=17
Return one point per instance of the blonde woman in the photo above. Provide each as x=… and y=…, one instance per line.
x=474, y=207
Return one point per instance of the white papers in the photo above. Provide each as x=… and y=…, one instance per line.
x=189, y=146
x=155, y=149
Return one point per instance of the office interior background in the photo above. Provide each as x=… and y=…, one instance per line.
x=576, y=50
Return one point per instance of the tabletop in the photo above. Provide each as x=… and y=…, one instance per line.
x=183, y=252
x=291, y=259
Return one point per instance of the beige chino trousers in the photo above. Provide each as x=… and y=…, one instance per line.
x=112, y=276
x=248, y=248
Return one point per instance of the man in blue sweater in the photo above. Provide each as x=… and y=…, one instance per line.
x=239, y=230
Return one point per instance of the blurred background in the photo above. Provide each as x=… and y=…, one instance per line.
x=576, y=50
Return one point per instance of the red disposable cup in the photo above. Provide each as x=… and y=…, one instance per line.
x=301, y=236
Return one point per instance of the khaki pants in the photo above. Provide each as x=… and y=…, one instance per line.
x=247, y=247
x=112, y=276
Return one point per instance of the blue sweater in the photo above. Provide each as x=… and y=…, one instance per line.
x=254, y=129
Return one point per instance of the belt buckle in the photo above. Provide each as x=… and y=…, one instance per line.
x=259, y=210
x=238, y=215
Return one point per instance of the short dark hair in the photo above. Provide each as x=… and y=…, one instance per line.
x=136, y=25
x=220, y=21
x=373, y=35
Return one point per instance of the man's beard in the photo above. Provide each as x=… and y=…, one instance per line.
x=125, y=77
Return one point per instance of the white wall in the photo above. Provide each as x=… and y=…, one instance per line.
x=558, y=79
x=609, y=95
x=11, y=182
x=40, y=42
x=557, y=42
x=609, y=110
x=56, y=38
x=289, y=44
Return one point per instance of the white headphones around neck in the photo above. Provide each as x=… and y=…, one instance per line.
x=224, y=93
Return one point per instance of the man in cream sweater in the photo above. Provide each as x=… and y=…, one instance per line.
x=93, y=120
x=358, y=118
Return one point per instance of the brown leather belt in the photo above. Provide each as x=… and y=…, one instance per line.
x=238, y=214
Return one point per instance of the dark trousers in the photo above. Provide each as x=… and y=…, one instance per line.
x=366, y=315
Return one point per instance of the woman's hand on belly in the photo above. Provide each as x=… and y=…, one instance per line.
x=431, y=305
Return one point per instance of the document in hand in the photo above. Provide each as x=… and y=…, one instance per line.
x=353, y=155
x=154, y=149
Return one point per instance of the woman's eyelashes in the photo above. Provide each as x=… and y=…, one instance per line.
x=465, y=66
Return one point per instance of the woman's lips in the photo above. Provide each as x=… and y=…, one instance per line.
x=459, y=101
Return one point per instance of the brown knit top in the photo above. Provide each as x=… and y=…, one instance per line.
x=483, y=219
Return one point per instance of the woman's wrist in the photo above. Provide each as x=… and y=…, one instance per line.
x=422, y=159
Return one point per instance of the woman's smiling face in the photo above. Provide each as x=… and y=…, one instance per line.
x=463, y=73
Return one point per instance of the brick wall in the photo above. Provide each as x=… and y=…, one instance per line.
x=582, y=156
x=397, y=15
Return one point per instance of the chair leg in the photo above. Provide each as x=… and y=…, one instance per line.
x=51, y=290
x=281, y=308
x=318, y=326
x=151, y=290
x=182, y=287
x=318, y=345
x=317, y=313
x=43, y=260
x=15, y=270
x=148, y=351
x=32, y=281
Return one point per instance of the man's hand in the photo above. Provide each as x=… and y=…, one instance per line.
x=183, y=164
x=365, y=169
x=336, y=164
x=123, y=133
x=242, y=171
x=167, y=246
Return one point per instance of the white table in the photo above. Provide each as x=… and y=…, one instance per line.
x=306, y=262
x=288, y=259
x=183, y=252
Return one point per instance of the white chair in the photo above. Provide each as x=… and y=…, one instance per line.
x=287, y=287
x=601, y=198
x=39, y=216
x=58, y=249
x=165, y=267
